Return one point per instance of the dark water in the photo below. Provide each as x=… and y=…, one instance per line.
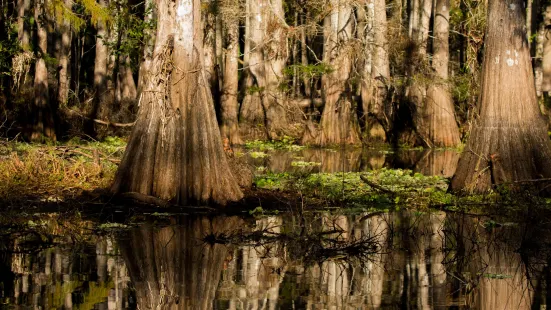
x=404, y=260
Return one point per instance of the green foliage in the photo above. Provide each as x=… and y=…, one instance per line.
x=308, y=71
x=254, y=89
x=134, y=32
x=286, y=143
x=390, y=187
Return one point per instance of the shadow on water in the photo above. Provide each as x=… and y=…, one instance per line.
x=319, y=260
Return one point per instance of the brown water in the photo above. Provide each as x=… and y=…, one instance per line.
x=403, y=260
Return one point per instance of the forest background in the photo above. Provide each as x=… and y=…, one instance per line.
x=322, y=72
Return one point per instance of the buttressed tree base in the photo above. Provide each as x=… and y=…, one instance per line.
x=175, y=150
x=508, y=143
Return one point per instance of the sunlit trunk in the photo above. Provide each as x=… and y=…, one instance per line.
x=509, y=140
x=175, y=151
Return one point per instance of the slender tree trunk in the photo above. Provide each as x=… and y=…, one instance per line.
x=304, y=60
x=64, y=60
x=509, y=140
x=229, y=103
x=339, y=122
x=23, y=32
x=43, y=126
x=212, y=46
x=175, y=151
x=100, y=69
x=441, y=128
x=128, y=90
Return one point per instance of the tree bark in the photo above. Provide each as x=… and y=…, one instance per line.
x=441, y=128
x=268, y=55
x=375, y=85
x=509, y=139
x=546, y=61
x=23, y=32
x=100, y=104
x=43, y=126
x=339, y=122
x=228, y=102
x=252, y=118
x=175, y=151
x=63, y=67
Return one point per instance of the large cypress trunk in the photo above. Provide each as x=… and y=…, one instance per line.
x=509, y=141
x=441, y=128
x=339, y=122
x=175, y=151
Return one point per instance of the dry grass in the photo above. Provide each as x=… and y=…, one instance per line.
x=52, y=173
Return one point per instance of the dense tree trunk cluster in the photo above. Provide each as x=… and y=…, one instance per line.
x=208, y=73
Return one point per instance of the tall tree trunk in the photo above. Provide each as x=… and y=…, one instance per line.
x=252, y=117
x=128, y=90
x=339, y=122
x=275, y=57
x=268, y=55
x=63, y=67
x=100, y=70
x=23, y=31
x=509, y=140
x=375, y=89
x=420, y=20
x=441, y=128
x=175, y=151
x=43, y=126
x=212, y=46
x=229, y=103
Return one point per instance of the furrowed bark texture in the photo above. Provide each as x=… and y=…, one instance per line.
x=230, y=80
x=374, y=91
x=268, y=47
x=339, y=122
x=442, y=130
x=175, y=151
x=509, y=140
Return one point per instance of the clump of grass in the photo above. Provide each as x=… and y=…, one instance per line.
x=54, y=173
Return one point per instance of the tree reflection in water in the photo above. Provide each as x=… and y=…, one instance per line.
x=172, y=267
x=322, y=260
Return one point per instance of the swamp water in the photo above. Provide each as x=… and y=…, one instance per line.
x=286, y=260
x=405, y=260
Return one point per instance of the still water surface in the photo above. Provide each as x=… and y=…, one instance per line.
x=402, y=260
x=316, y=260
